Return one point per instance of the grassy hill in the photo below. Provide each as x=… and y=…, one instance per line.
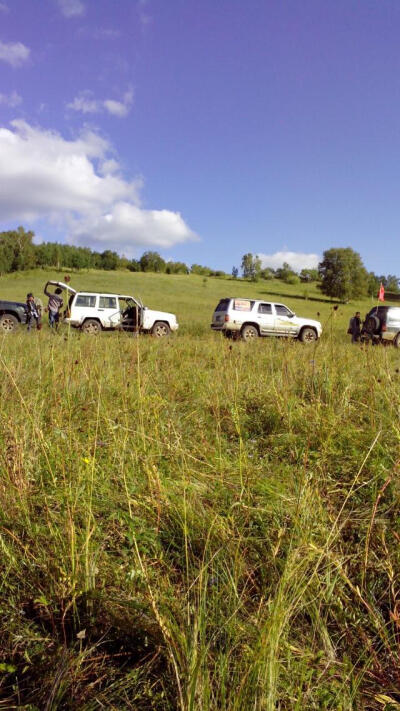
x=197, y=524
x=192, y=297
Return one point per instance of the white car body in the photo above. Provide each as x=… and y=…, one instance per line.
x=109, y=311
x=238, y=316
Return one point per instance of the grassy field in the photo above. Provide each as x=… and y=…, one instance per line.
x=197, y=524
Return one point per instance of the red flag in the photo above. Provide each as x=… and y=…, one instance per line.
x=381, y=295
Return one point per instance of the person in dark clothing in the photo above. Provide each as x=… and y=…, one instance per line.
x=54, y=306
x=355, y=327
x=34, y=311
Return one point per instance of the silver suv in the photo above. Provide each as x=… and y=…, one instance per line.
x=382, y=323
x=250, y=318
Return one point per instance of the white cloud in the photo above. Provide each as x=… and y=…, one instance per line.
x=297, y=260
x=87, y=104
x=71, y=8
x=14, y=53
x=11, y=100
x=77, y=184
x=161, y=228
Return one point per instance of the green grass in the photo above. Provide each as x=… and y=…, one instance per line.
x=196, y=524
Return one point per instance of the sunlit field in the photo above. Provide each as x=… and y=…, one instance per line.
x=193, y=523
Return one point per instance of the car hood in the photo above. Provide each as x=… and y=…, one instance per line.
x=307, y=322
x=160, y=314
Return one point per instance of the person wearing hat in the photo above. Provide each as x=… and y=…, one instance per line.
x=34, y=308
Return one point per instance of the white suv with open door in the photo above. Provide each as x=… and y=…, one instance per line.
x=93, y=312
x=250, y=318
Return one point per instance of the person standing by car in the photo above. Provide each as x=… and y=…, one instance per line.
x=54, y=306
x=355, y=327
x=34, y=309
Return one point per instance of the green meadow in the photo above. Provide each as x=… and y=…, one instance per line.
x=194, y=523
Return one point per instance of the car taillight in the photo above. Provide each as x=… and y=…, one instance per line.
x=226, y=318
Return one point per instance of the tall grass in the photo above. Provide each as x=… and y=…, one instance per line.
x=196, y=524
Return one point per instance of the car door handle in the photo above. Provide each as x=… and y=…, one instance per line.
x=100, y=309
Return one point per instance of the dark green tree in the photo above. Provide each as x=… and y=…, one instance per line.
x=251, y=266
x=285, y=273
x=342, y=273
x=308, y=275
x=199, y=269
x=176, y=268
x=152, y=262
x=109, y=260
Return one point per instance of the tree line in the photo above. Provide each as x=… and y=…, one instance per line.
x=341, y=273
x=18, y=253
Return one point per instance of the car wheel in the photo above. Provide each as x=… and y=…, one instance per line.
x=249, y=333
x=91, y=326
x=396, y=341
x=8, y=323
x=372, y=324
x=308, y=335
x=160, y=329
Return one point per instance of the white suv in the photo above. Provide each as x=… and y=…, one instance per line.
x=94, y=311
x=250, y=318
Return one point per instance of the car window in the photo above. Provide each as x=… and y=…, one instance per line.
x=264, y=309
x=223, y=305
x=282, y=310
x=108, y=302
x=86, y=300
x=243, y=305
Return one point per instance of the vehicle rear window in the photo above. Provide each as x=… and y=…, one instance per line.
x=223, y=305
x=378, y=311
x=87, y=300
x=265, y=309
x=243, y=305
x=108, y=302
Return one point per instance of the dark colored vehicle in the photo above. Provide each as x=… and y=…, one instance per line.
x=382, y=323
x=12, y=313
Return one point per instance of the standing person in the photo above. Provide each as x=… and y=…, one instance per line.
x=34, y=309
x=54, y=306
x=355, y=327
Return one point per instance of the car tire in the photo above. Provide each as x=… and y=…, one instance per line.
x=372, y=324
x=8, y=323
x=307, y=335
x=396, y=341
x=91, y=327
x=160, y=329
x=249, y=332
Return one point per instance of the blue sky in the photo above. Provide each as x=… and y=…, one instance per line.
x=203, y=129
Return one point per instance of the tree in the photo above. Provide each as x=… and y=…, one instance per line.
x=373, y=283
x=109, y=260
x=16, y=250
x=176, y=268
x=199, y=269
x=251, y=266
x=285, y=273
x=307, y=275
x=235, y=272
x=392, y=283
x=343, y=275
x=152, y=262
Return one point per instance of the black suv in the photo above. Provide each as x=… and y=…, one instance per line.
x=382, y=323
